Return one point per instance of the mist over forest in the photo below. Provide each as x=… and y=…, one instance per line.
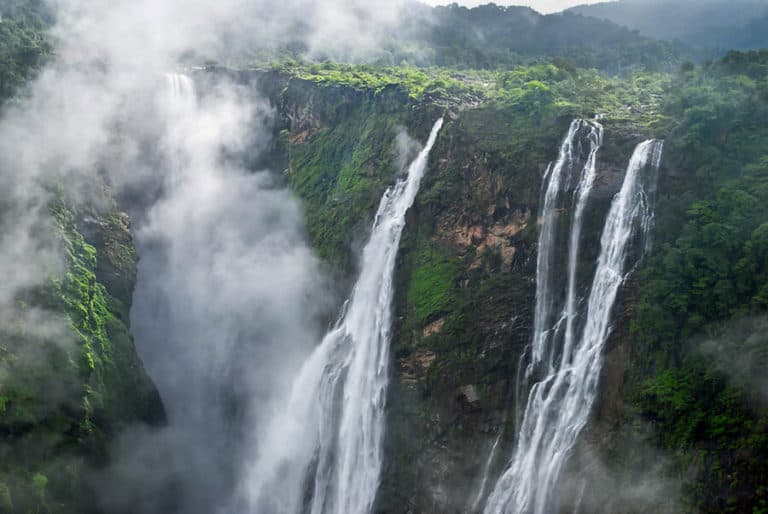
x=357, y=257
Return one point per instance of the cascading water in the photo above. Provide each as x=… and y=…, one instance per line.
x=560, y=178
x=181, y=93
x=327, y=439
x=559, y=406
x=558, y=182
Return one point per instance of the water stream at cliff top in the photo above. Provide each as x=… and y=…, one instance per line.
x=559, y=405
x=323, y=452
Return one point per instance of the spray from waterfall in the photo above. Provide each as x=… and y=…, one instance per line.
x=221, y=311
x=327, y=439
x=559, y=405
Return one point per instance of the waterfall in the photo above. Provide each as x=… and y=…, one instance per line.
x=559, y=405
x=180, y=87
x=559, y=180
x=327, y=439
x=222, y=311
x=182, y=98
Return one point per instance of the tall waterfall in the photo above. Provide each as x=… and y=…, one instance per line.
x=559, y=181
x=559, y=405
x=222, y=311
x=328, y=437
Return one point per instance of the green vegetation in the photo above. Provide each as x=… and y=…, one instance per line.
x=63, y=395
x=709, y=27
x=23, y=44
x=508, y=82
x=534, y=92
x=432, y=284
x=418, y=82
x=341, y=166
x=494, y=37
x=707, y=275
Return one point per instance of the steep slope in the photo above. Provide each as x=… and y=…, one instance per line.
x=465, y=277
x=681, y=426
x=64, y=397
x=682, y=393
x=70, y=377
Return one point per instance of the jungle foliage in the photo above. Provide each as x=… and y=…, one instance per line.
x=700, y=322
x=24, y=46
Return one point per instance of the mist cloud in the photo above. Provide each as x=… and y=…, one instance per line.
x=229, y=295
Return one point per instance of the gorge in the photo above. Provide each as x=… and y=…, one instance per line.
x=360, y=260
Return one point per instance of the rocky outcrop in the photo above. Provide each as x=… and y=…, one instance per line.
x=482, y=239
x=67, y=395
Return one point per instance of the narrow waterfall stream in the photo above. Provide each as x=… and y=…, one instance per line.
x=559, y=405
x=560, y=179
x=327, y=439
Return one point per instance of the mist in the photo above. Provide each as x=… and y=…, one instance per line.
x=229, y=299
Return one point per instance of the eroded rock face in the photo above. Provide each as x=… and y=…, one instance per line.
x=465, y=280
x=446, y=418
x=497, y=237
x=434, y=328
x=304, y=123
x=415, y=367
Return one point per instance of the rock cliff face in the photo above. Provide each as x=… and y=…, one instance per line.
x=64, y=397
x=466, y=271
x=466, y=280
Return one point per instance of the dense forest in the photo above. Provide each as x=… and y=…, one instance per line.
x=24, y=43
x=684, y=396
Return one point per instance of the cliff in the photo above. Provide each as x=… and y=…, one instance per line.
x=671, y=406
x=63, y=397
x=466, y=273
x=673, y=429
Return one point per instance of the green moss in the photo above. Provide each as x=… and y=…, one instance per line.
x=6, y=504
x=341, y=171
x=85, y=302
x=40, y=483
x=431, y=290
x=63, y=397
x=485, y=170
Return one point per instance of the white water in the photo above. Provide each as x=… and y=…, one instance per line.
x=487, y=472
x=221, y=308
x=583, y=191
x=328, y=437
x=559, y=406
x=559, y=178
x=181, y=93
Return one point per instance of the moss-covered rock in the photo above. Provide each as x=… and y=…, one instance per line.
x=65, y=395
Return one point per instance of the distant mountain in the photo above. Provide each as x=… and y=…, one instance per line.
x=493, y=36
x=707, y=25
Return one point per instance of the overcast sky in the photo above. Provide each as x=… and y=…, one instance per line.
x=544, y=6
